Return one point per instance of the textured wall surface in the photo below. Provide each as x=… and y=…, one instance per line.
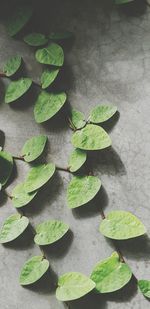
x=108, y=62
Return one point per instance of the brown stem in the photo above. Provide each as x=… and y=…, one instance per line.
x=59, y=168
x=7, y=194
x=2, y=74
x=18, y=158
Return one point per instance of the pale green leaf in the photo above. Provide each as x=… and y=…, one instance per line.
x=33, y=270
x=33, y=147
x=73, y=285
x=111, y=274
x=6, y=166
x=56, y=36
x=77, y=159
x=50, y=231
x=81, y=190
x=77, y=119
x=20, y=197
x=35, y=39
x=12, y=65
x=144, y=286
x=52, y=55
x=101, y=113
x=13, y=227
x=17, y=89
x=121, y=225
x=48, y=77
x=91, y=137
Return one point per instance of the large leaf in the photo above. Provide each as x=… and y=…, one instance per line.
x=33, y=147
x=111, y=274
x=52, y=55
x=38, y=176
x=47, y=105
x=77, y=159
x=48, y=77
x=35, y=39
x=50, y=231
x=81, y=190
x=121, y=225
x=91, y=137
x=17, y=88
x=13, y=227
x=12, y=65
x=73, y=285
x=6, y=166
x=33, y=270
x=56, y=36
x=77, y=119
x=144, y=286
x=19, y=18
x=20, y=197
x=102, y=113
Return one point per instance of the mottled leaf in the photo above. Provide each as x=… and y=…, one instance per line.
x=77, y=119
x=50, y=231
x=12, y=65
x=52, y=55
x=101, y=113
x=13, y=227
x=48, y=77
x=33, y=270
x=6, y=166
x=33, y=147
x=35, y=39
x=20, y=197
x=56, y=36
x=144, y=286
x=17, y=88
x=77, y=159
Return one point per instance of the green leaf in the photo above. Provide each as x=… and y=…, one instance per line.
x=12, y=65
x=18, y=19
x=144, y=286
x=73, y=285
x=50, y=231
x=91, y=137
x=6, y=166
x=35, y=39
x=13, y=227
x=81, y=190
x=20, y=197
x=102, y=113
x=38, y=176
x=47, y=105
x=111, y=274
x=52, y=55
x=48, y=77
x=77, y=119
x=56, y=36
x=33, y=147
x=121, y=225
x=33, y=270
x=122, y=1
x=77, y=159
x=17, y=88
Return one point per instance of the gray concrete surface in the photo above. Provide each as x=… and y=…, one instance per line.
x=109, y=62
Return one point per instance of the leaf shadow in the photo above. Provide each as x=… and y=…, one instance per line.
x=26, y=100
x=109, y=125
x=133, y=8
x=2, y=139
x=23, y=242
x=89, y=301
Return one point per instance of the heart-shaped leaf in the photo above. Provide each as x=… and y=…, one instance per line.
x=73, y=285
x=48, y=77
x=77, y=119
x=121, y=225
x=20, y=197
x=81, y=190
x=144, y=286
x=33, y=270
x=91, y=137
x=6, y=166
x=77, y=159
x=52, y=55
x=50, y=231
x=13, y=227
x=102, y=113
x=56, y=36
x=111, y=274
x=33, y=147
x=17, y=88
x=19, y=18
x=38, y=176
x=12, y=65
x=47, y=105
x=35, y=39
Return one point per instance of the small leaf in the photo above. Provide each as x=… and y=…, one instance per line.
x=33, y=270
x=81, y=190
x=91, y=137
x=56, y=36
x=12, y=65
x=144, y=286
x=77, y=159
x=102, y=113
x=35, y=39
x=17, y=88
x=47, y=105
x=19, y=18
x=121, y=225
x=13, y=227
x=38, y=176
x=33, y=147
x=73, y=285
x=50, y=231
x=48, y=77
x=77, y=119
x=52, y=55
x=111, y=274
x=20, y=197
x=6, y=166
